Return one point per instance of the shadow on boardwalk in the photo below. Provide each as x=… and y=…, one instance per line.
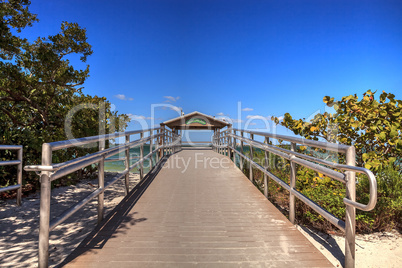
x=325, y=241
x=118, y=218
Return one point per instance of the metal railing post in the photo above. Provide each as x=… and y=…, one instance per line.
x=222, y=144
x=19, y=177
x=228, y=144
x=141, y=157
x=218, y=139
x=45, y=195
x=168, y=143
x=216, y=142
x=173, y=143
x=271, y=162
x=292, y=185
x=127, y=164
x=163, y=141
x=178, y=142
x=234, y=146
x=181, y=141
x=218, y=150
x=151, y=149
x=159, y=142
x=350, y=220
x=157, y=146
x=266, y=140
x=213, y=141
x=101, y=183
x=251, y=157
x=242, y=152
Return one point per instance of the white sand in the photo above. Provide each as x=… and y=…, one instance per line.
x=19, y=230
x=372, y=250
x=19, y=226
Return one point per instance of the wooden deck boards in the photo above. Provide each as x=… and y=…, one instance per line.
x=206, y=215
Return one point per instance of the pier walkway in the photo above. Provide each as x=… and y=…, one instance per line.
x=196, y=209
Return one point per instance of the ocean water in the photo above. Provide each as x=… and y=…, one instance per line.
x=118, y=166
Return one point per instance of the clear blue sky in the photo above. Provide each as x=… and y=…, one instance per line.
x=273, y=56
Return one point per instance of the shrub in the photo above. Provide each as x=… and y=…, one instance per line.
x=388, y=211
x=329, y=194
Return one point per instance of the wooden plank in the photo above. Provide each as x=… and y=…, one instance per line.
x=198, y=210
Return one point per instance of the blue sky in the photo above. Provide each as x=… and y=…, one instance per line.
x=272, y=56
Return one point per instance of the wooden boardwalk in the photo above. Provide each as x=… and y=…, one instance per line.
x=196, y=211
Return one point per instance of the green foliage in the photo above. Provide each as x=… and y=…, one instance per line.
x=329, y=194
x=324, y=191
x=15, y=14
x=372, y=125
x=388, y=211
x=39, y=86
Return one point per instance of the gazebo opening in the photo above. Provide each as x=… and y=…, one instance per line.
x=196, y=129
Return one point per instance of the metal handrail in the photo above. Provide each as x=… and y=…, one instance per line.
x=57, y=145
x=288, y=155
x=69, y=212
x=372, y=185
x=167, y=142
x=323, y=212
x=224, y=142
x=17, y=162
x=317, y=144
x=292, y=156
x=94, y=156
x=196, y=142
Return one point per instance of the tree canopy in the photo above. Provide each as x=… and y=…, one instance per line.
x=39, y=85
x=372, y=125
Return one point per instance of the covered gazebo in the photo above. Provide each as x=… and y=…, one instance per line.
x=195, y=121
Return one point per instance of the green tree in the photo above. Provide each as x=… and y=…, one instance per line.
x=372, y=125
x=39, y=86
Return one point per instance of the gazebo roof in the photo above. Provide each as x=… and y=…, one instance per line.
x=195, y=120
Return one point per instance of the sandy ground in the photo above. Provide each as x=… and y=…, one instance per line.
x=19, y=226
x=372, y=250
x=19, y=230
